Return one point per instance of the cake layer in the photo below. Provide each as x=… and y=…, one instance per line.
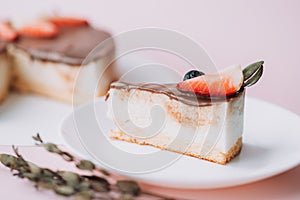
x=60, y=80
x=201, y=127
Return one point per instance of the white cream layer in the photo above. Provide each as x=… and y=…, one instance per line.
x=59, y=80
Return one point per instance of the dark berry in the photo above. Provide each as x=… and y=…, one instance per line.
x=192, y=74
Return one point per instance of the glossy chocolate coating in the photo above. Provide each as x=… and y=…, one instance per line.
x=170, y=90
x=71, y=46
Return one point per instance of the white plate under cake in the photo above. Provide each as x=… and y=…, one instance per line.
x=268, y=149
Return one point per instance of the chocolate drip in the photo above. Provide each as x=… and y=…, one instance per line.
x=173, y=93
x=71, y=46
x=2, y=46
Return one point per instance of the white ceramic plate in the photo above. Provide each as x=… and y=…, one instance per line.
x=271, y=146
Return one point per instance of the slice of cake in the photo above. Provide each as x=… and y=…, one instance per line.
x=200, y=117
x=4, y=71
x=49, y=55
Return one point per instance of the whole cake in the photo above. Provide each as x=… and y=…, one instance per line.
x=203, y=115
x=54, y=57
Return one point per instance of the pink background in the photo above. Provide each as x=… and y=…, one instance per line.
x=232, y=31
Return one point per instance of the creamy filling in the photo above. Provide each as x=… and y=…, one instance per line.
x=146, y=115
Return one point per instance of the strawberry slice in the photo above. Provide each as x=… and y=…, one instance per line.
x=68, y=21
x=224, y=83
x=41, y=29
x=7, y=33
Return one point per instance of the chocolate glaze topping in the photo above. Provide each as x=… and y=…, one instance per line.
x=2, y=46
x=71, y=46
x=173, y=93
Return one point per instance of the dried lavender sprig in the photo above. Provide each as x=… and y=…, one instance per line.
x=80, y=164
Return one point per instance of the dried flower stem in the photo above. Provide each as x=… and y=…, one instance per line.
x=68, y=183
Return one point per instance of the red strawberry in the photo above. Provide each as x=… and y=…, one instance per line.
x=226, y=82
x=68, y=21
x=7, y=33
x=40, y=30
